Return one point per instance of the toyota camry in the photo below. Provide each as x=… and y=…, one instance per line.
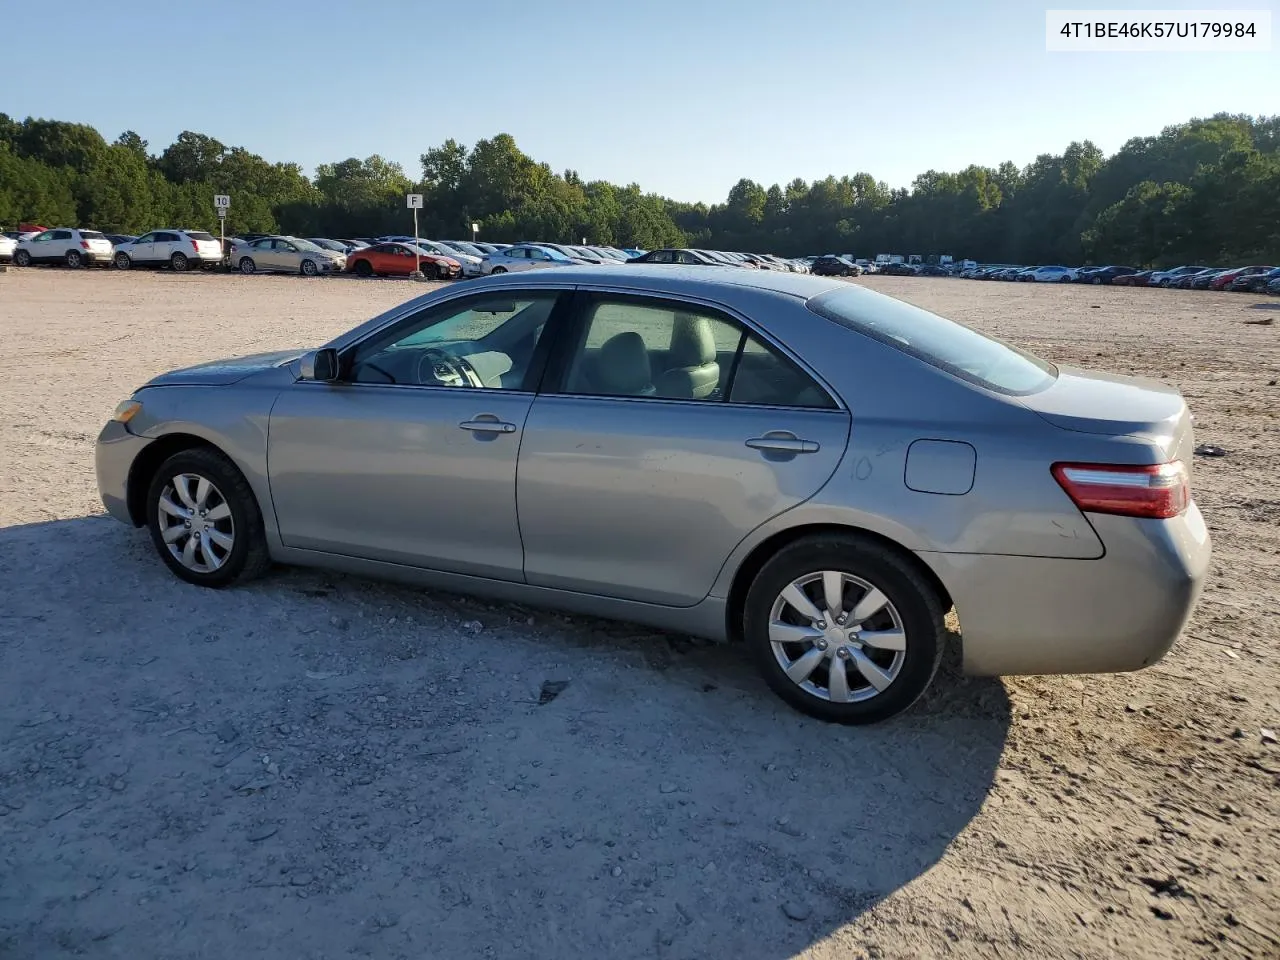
x=814, y=469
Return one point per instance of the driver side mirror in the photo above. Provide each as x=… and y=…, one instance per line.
x=321, y=365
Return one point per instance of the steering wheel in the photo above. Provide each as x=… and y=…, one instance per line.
x=437, y=366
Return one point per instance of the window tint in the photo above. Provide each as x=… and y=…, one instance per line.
x=92, y=235
x=517, y=253
x=263, y=244
x=959, y=350
x=62, y=235
x=199, y=235
x=661, y=256
x=146, y=238
x=482, y=342
x=167, y=238
x=39, y=237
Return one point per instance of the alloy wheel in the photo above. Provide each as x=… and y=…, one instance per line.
x=837, y=636
x=196, y=523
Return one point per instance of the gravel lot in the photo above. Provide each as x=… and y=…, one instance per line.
x=321, y=767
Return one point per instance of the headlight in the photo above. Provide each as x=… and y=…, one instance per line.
x=126, y=410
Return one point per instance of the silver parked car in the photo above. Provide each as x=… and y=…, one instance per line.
x=524, y=256
x=804, y=464
x=286, y=255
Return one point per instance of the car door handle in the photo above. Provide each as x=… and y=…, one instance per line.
x=780, y=442
x=488, y=426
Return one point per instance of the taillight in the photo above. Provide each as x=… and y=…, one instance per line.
x=85, y=244
x=1158, y=491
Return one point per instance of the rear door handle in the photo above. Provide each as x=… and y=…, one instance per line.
x=488, y=426
x=783, y=443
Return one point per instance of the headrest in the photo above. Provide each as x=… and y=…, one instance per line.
x=692, y=342
x=623, y=366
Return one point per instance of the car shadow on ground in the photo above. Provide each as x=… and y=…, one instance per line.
x=323, y=766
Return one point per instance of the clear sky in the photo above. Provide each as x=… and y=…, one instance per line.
x=683, y=97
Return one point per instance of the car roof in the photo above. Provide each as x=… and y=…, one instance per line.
x=659, y=278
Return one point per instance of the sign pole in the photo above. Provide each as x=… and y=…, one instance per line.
x=414, y=202
x=221, y=204
x=475, y=232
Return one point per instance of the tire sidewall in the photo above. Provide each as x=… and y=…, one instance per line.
x=247, y=266
x=246, y=517
x=178, y=262
x=918, y=607
x=122, y=261
x=309, y=272
x=22, y=259
x=74, y=260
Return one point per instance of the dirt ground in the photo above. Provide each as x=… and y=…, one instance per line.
x=321, y=767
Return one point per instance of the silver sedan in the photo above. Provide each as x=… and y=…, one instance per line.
x=286, y=255
x=808, y=466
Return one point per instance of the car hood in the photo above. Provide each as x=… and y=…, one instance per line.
x=1107, y=403
x=220, y=372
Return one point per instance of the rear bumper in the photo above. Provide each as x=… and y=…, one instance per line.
x=113, y=457
x=1123, y=611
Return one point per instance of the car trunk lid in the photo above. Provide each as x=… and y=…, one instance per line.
x=1087, y=401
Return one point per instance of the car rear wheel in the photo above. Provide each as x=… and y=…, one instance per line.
x=178, y=262
x=247, y=265
x=309, y=268
x=499, y=270
x=122, y=261
x=844, y=629
x=204, y=520
x=74, y=259
x=22, y=258
x=364, y=268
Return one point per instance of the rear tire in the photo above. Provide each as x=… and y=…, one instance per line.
x=74, y=259
x=248, y=556
x=363, y=268
x=247, y=266
x=178, y=262
x=912, y=614
x=498, y=270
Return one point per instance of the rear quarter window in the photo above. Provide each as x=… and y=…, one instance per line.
x=948, y=345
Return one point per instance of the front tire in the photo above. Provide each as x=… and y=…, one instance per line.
x=22, y=259
x=204, y=520
x=309, y=268
x=870, y=665
x=498, y=270
x=178, y=262
x=247, y=266
x=122, y=261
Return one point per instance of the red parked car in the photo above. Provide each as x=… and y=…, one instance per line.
x=400, y=260
x=1133, y=279
x=1221, y=280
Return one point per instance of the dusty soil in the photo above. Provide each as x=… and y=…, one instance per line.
x=321, y=767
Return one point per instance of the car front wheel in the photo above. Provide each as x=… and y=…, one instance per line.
x=122, y=261
x=844, y=629
x=204, y=520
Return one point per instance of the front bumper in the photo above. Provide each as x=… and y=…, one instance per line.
x=113, y=457
x=1123, y=611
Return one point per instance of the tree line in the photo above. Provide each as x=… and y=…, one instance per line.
x=1204, y=191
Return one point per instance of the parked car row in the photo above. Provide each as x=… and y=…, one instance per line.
x=1250, y=279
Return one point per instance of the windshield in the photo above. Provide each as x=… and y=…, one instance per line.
x=959, y=350
x=467, y=248
x=305, y=244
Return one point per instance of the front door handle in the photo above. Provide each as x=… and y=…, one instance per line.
x=487, y=425
x=781, y=441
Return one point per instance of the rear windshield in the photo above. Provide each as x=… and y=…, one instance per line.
x=959, y=350
x=198, y=235
x=92, y=235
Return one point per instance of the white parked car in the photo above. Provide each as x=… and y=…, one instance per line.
x=285, y=255
x=524, y=256
x=176, y=249
x=73, y=247
x=1051, y=275
x=7, y=246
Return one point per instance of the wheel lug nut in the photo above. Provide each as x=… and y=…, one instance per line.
x=843, y=653
x=822, y=644
x=841, y=619
x=187, y=524
x=822, y=624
